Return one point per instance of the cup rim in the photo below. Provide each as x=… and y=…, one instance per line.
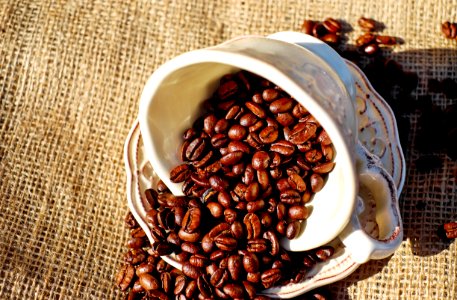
x=252, y=64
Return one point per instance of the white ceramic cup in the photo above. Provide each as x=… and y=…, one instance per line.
x=313, y=74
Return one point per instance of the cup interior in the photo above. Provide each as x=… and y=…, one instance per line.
x=171, y=102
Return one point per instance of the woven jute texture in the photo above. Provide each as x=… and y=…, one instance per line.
x=71, y=73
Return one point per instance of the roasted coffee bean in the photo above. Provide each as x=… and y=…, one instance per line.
x=225, y=242
x=332, y=25
x=191, y=271
x=253, y=277
x=227, y=89
x=163, y=248
x=290, y=196
x=135, y=243
x=255, y=206
x=268, y=135
x=189, y=237
x=317, y=182
x=237, y=230
x=266, y=219
x=144, y=267
x=237, y=132
x=162, y=266
x=248, y=119
x=297, y=212
x=233, y=112
x=324, y=168
x=196, y=149
x=251, y=263
x=209, y=123
x=249, y=175
x=253, y=129
x=386, y=40
x=192, y=219
x=302, y=132
x=219, y=278
x=218, y=183
x=230, y=215
x=198, y=260
x=130, y=221
x=260, y=160
x=233, y=290
x=293, y=228
x=296, y=182
x=270, y=277
x=327, y=152
x=274, y=242
x=450, y=230
x=307, y=27
x=224, y=199
x=250, y=289
x=253, y=225
x=270, y=95
x=136, y=288
x=283, y=147
x=257, y=245
x=281, y=105
x=238, y=146
x=189, y=134
x=324, y=253
x=180, y=284
x=203, y=286
x=285, y=119
x=191, y=288
x=166, y=219
x=256, y=109
x=238, y=169
x=235, y=265
x=221, y=126
x=166, y=280
x=219, y=229
x=125, y=276
x=313, y=156
x=216, y=209
x=219, y=140
x=169, y=200
x=190, y=247
x=231, y=158
x=252, y=191
x=365, y=39
x=367, y=24
x=182, y=256
x=148, y=282
x=281, y=227
x=135, y=256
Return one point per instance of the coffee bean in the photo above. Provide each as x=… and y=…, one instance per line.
x=307, y=27
x=135, y=256
x=190, y=247
x=386, y=40
x=198, y=260
x=313, y=156
x=227, y=89
x=250, y=289
x=235, y=265
x=225, y=242
x=249, y=174
x=218, y=255
x=281, y=227
x=203, y=286
x=218, y=183
x=238, y=146
x=292, y=229
x=296, y=182
x=224, y=199
x=302, y=132
x=290, y=197
x=233, y=290
x=219, y=229
x=230, y=215
x=125, y=276
x=248, y=119
x=233, y=112
x=192, y=219
x=219, y=278
x=191, y=271
x=253, y=225
x=231, y=158
x=270, y=95
x=216, y=209
x=254, y=128
x=268, y=135
x=256, y=109
x=253, y=277
x=327, y=152
x=274, y=242
x=219, y=140
x=365, y=39
x=324, y=168
x=367, y=24
x=237, y=132
x=196, y=149
x=270, y=277
x=332, y=25
x=324, y=253
x=255, y=206
x=297, y=212
x=251, y=263
x=317, y=183
x=257, y=245
x=281, y=105
x=260, y=160
x=190, y=289
x=237, y=230
x=148, y=282
x=189, y=237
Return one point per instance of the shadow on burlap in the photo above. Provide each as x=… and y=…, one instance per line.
x=71, y=73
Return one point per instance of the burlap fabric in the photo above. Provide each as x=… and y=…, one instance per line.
x=71, y=73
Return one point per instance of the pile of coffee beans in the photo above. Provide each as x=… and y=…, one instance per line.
x=257, y=153
x=212, y=268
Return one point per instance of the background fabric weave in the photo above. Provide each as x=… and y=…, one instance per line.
x=71, y=73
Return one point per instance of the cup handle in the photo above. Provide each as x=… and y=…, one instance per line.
x=377, y=202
